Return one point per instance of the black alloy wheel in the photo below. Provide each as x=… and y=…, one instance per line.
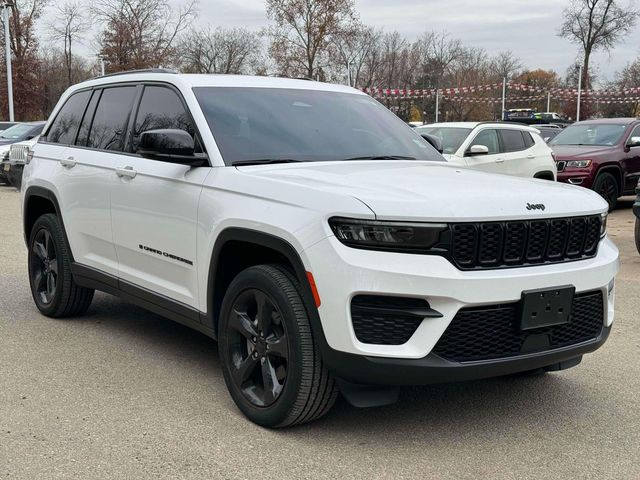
x=44, y=266
x=270, y=359
x=258, y=347
x=607, y=187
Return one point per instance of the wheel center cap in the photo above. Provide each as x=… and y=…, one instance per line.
x=261, y=347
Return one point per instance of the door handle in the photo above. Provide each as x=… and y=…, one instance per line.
x=68, y=162
x=499, y=160
x=531, y=156
x=127, y=171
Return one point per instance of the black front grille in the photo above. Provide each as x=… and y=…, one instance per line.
x=383, y=320
x=561, y=165
x=483, y=333
x=517, y=243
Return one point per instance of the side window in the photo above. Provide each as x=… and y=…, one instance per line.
x=85, y=125
x=488, y=138
x=161, y=108
x=634, y=133
x=528, y=140
x=512, y=141
x=65, y=126
x=112, y=116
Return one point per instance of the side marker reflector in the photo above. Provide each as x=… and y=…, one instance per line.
x=314, y=289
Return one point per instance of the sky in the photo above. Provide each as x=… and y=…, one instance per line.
x=526, y=27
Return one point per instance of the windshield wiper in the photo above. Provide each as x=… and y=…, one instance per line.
x=383, y=157
x=263, y=161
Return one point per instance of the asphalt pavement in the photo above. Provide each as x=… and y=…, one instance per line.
x=123, y=393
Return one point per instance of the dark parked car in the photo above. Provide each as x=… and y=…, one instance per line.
x=5, y=125
x=548, y=132
x=603, y=155
x=17, y=133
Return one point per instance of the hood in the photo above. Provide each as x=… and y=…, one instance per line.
x=433, y=191
x=565, y=152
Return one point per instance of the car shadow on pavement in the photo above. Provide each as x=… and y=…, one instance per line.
x=444, y=412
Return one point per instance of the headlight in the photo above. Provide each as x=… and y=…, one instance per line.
x=603, y=225
x=397, y=236
x=578, y=164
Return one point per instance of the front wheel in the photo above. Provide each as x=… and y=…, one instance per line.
x=638, y=234
x=607, y=186
x=270, y=360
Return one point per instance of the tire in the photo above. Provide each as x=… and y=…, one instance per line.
x=607, y=186
x=54, y=292
x=637, y=232
x=302, y=389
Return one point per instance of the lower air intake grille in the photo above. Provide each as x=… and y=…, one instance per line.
x=483, y=333
x=382, y=320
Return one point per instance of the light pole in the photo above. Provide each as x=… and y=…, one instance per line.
x=579, y=93
x=6, y=5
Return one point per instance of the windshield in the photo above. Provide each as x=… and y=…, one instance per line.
x=604, y=134
x=251, y=124
x=17, y=131
x=450, y=137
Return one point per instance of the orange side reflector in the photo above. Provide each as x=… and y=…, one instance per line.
x=314, y=289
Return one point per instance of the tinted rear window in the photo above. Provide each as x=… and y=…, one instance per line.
x=512, y=141
x=65, y=126
x=111, y=118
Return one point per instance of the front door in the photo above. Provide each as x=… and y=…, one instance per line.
x=154, y=206
x=494, y=160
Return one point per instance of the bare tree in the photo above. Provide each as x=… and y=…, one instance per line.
x=596, y=24
x=353, y=47
x=141, y=33
x=70, y=23
x=27, y=81
x=506, y=65
x=301, y=33
x=234, y=50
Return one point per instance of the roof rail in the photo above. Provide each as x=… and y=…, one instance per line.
x=144, y=70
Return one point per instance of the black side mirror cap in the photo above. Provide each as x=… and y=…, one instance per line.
x=434, y=141
x=169, y=145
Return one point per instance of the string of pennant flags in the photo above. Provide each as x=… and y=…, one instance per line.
x=564, y=94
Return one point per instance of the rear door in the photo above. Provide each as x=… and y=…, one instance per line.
x=494, y=161
x=82, y=181
x=154, y=205
x=517, y=153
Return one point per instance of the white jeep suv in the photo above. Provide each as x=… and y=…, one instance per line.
x=324, y=243
x=495, y=147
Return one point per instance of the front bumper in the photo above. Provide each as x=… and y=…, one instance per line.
x=366, y=370
x=577, y=176
x=341, y=273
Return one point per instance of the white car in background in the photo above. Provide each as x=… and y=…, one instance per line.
x=495, y=147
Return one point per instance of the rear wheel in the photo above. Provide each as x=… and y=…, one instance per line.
x=52, y=286
x=271, y=363
x=607, y=186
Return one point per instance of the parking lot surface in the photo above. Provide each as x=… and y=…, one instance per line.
x=124, y=393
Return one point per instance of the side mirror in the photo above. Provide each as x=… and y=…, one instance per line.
x=434, y=141
x=478, y=150
x=168, y=145
x=633, y=142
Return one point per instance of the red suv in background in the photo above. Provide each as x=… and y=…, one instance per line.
x=603, y=155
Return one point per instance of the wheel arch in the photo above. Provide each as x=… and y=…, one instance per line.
x=545, y=175
x=256, y=248
x=613, y=169
x=37, y=202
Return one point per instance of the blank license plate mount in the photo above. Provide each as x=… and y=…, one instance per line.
x=546, y=307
